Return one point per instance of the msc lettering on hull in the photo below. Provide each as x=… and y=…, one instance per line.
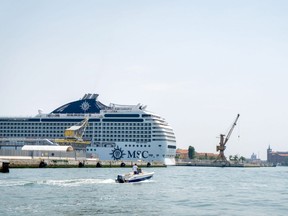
x=138, y=154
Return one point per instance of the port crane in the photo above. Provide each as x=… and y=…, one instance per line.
x=74, y=135
x=221, y=147
x=76, y=131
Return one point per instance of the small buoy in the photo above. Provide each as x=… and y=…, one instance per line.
x=122, y=164
x=148, y=164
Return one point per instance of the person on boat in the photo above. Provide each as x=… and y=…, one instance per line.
x=135, y=169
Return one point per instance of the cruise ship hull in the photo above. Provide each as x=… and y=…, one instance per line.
x=144, y=152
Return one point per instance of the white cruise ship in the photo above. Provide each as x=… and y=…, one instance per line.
x=116, y=132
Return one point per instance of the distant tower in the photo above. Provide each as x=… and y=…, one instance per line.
x=269, y=151
x=253, y=157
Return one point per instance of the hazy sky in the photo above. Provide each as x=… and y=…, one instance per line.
x=196, y=63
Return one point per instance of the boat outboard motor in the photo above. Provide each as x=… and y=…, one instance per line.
x=120, y=179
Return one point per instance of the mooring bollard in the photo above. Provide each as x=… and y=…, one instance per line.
x=98, y=164
x=42, y=164
x=5, y=167
x=81, y=164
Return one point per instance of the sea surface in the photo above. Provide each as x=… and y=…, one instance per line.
x=171, y=191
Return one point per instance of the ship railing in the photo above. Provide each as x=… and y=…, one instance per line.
x=74, y=115
x=127, y=107
x=103, y=144
x=23, y=141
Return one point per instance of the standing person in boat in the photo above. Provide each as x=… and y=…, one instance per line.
x=135, y=169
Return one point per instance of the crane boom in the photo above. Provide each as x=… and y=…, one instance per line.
x=231, y=130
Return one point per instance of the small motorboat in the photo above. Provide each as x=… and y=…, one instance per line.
x=131, y=177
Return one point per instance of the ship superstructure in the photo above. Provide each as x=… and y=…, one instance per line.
x=116, y=132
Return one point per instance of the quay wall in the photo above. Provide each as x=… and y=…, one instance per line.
x=32, y=159
x=207, y=163
x=56, y=162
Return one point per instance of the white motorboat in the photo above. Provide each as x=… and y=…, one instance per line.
x=131, y=177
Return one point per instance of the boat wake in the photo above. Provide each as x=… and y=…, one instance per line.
x=77, y=182
x=60, y=183
x=15, y=183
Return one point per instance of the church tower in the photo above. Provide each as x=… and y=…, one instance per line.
x=269, y=151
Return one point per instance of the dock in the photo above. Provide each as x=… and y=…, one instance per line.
x=213, y=164
x=29, y=162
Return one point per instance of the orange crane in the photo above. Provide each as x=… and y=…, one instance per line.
x=221, y=147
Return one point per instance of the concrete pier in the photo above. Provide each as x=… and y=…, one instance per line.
x=29, y=162
x=213, y=164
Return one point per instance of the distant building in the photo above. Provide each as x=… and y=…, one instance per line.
x=277, y=157
x=183, y=154
x=253, y=157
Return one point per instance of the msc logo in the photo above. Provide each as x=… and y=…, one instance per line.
x=138, y=154
x=117, y=153
x=85, y=106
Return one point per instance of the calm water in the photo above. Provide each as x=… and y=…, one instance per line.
x=172, y=191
